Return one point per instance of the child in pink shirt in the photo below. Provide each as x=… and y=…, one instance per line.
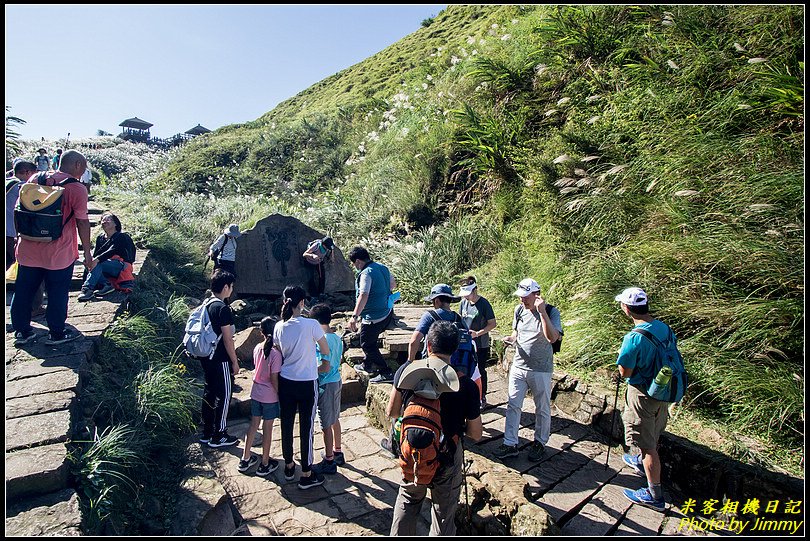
x=263, y=401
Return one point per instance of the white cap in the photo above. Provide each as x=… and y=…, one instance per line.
x=466, y=291
x=526, y=287
x=632, y=296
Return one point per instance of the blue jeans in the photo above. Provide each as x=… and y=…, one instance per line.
x=111, y=267
x=57, y=284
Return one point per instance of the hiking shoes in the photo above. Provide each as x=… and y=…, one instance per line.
x=315, y=479
x=643, y=497
x=634, y=461
x=204, y=439
x=289, y=472
x=22, y=337
x=385, y=445
x=245, y=465
x=266, y=469
x=106, y=290
x=340, y=458
x=85, y=295
x=66, y=336
x=536, y=452
x=327, y=467
x=382, y=378
x=505, y=451
x=223, y=440
x=363, y=369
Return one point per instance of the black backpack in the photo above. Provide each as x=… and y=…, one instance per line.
x=555, y=346
x=38, y=214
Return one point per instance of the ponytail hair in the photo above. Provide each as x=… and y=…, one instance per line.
x=267, y=325
x=292, y=296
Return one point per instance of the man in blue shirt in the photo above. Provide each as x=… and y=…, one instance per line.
x=372, y=312
x=644, y=418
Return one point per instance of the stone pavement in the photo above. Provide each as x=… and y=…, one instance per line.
x=571, y=483
x=42, y=386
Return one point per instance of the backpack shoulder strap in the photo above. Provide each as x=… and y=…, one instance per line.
x=518, y=314
x=69, y=180
x=649, y=336
x=11, y=183
x=435, y=315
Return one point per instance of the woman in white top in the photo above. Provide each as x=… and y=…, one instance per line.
x=298, y=381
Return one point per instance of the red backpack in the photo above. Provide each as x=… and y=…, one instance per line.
x=422, y=445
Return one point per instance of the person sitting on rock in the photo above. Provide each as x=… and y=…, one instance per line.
x=113, y=254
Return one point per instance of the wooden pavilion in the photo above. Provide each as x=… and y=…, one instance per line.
x=135, y=129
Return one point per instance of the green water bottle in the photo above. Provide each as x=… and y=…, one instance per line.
x=397, y=428
x=659, y=388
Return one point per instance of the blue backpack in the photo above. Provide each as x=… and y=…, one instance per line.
x=666, y=354
x=464, y=359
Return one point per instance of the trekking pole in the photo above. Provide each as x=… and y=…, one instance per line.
x=207, y=259
x=612, y=421
x=464, y=476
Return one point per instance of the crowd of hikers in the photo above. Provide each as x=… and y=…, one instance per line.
x=436, y=396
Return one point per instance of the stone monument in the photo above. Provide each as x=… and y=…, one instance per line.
x=269, y=257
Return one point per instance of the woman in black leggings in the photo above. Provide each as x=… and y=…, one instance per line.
x=296, y=337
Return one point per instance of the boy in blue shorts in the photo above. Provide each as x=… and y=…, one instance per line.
x=329, y=389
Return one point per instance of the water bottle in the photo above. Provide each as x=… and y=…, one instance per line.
x=397, y=429
x=659, y=388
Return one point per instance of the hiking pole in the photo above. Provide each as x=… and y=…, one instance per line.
x=464, y=476
x=612, y=421
x=207, y=259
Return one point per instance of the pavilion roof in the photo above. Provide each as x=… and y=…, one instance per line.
x=136, y=123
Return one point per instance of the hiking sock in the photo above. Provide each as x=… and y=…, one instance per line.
x=329, y=459
x=656, y=492
x=337, y=450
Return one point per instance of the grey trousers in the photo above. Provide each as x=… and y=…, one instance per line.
x=443, y=495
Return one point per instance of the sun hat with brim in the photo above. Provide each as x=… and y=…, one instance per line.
x=466, y=291
x=632, y=296
x=442, y=290
x=429, y=377
x=526, y=287
x=232, y=230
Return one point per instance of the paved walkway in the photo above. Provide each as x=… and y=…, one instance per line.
x=571, y=482
x=42, y=386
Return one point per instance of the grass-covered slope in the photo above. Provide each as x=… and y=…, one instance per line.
x=592, y=148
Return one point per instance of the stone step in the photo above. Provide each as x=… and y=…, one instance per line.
x=38, y=470
x=56, y=513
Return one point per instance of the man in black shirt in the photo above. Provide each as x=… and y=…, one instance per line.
x=220, y=369
x=460, y=415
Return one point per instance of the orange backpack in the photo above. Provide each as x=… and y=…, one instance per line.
x=422, y=446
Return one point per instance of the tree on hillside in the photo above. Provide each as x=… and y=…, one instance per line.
x=12, y=136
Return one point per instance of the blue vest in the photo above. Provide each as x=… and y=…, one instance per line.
x=377, y=304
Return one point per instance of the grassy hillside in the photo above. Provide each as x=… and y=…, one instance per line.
x=592, y=148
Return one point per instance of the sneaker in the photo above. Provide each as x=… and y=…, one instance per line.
x=340, y=458
x=536, y=452
x=21, y=337
x=266, y=469
x=363, y=369
x=634, y=461
x=289, y=472
x=505, y=451
x=327, y=467
x=85, y=295
x=385, y=445
x=315, y=479
x=643, y=497
x=382, y=378
x=245, y=465
x=66, y=336
x=204, y=439
x=107, y=289
x=224, y=440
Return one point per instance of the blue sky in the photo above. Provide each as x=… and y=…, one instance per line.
x=79, y=68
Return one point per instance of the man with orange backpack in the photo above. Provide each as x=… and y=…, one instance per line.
x=441, y=406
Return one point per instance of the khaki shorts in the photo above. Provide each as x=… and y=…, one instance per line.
x=644, y=419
